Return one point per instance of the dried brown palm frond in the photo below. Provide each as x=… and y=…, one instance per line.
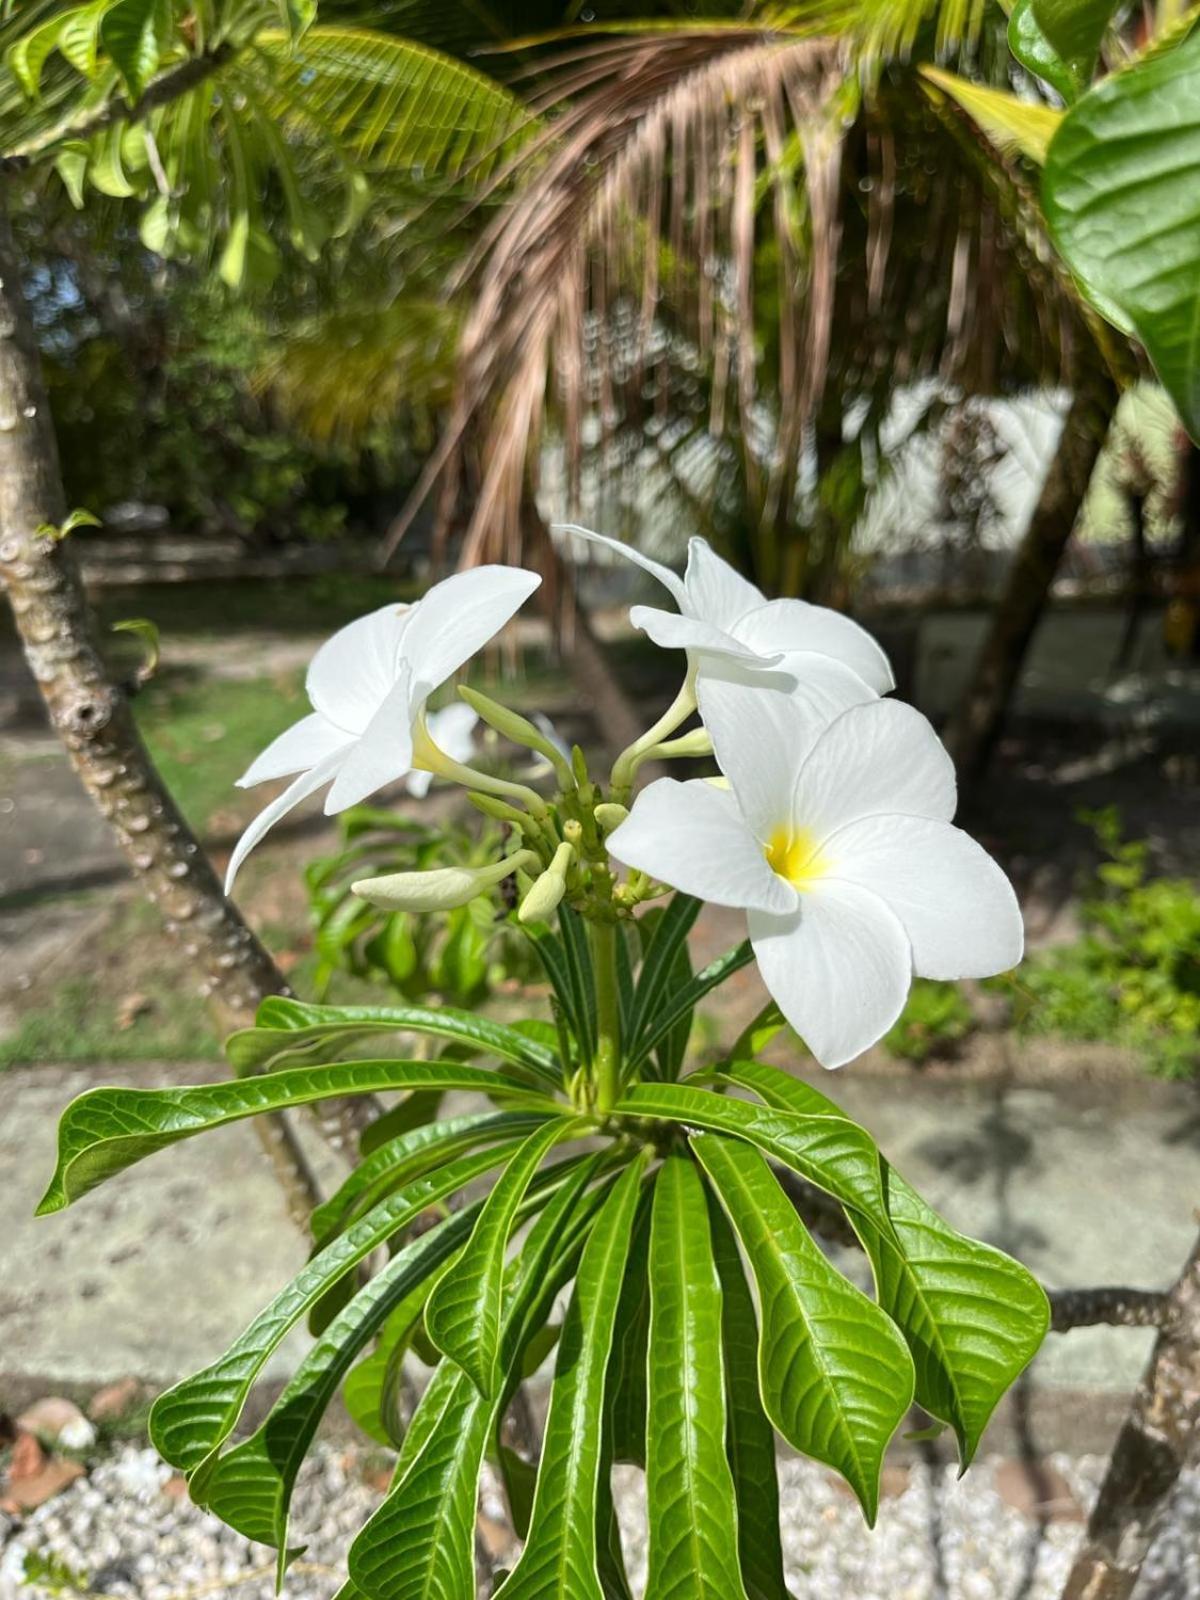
x=729, y=202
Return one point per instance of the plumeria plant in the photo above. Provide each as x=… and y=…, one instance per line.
x=605, y=1200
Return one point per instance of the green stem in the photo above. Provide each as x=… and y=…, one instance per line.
x=608, y=1015
x=626, y=765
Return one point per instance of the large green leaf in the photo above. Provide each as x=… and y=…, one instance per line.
x=1034, y=51
x=972, y=1317
x=106, y=1130
x=250, y=1487
x=130, y=34
x=287, y=1029
x=191, y=1419
x=825, y=1147
x=463, y=1315
x=408, y=1155
x=835, y=1376
x=559, y=1558
x=373, y=1389
x=1075, y=29
x=420, y=1543
x=750, y=1439
x=625, y=1385
x=692, y=1517
x=1121, y=192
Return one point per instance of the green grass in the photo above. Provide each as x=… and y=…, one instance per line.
x=204, y=732
x=82, y=1022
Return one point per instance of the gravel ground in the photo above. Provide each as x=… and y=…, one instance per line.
x=124, y=1533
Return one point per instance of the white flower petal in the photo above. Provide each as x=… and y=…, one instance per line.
x=457, y=617
x=669, y=580
x=297, y=748
x=957, y=907
x=382, y=755
x=883, y=757
x=717, y=593
x=307, y=783
x=693, y=837
x=353, y=671
x=417, y=783
x=839, y=968
x=672, y=631
x=796, y=625
x=763, y=724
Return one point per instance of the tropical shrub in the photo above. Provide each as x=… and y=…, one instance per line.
x=649, y=1192
x=937, y=1017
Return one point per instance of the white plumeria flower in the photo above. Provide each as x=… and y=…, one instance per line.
x=844, y=858
x=729, y=628
x=368, y=686
x=453, y=731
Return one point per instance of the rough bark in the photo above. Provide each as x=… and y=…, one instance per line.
x=93, y=718
x=1156, y=1441
x=973, y=729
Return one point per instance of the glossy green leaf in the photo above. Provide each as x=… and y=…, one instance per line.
x=250, y=1487
x=27, y=58
x=414, y=1111
x=463, y=1315
x=1011, y=124
x=824, y=1147
x=579, y=965
x=569, y=1007
x=1121, y=193
x=683, y=1001
x=750, y=1439
x=692, y=1518
x=835, y=1376
x=559, y=1558
x=420, y=1543
x=671, y=927
x=1074, y=29
x=973, y=1317
x=287, y=1029
x=1035, y=52
x=129, y=34
x=106, y=1130
x=192, y=1418
x=408, y=1155
x=372, y=1389
x=625, y=1385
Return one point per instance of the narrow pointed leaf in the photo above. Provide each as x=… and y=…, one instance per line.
x=106, y=1130
x=625, y=1385
x=684, y=1001
x=973, y=1317
x=670, y=930
x=559, y=1558
x=1011, y=124
x=825, y=1147
x=579, y=965
x=749, y=1437
x=371, y=1390
x=463, y=1315
x=287, y=1029
x=191, y=1419
x=693, y=1546
x=835, y=1376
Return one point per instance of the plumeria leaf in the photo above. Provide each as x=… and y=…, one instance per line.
x=1123, y=206
x=670, y=929
x=836, y=1377
x=129, y=33
x=972, y=1317
x=371, y=1391
x=407, y=1156
x=250, y=1487
x=693, y=1544
x=463, y=1315
x=579, y=965
x=625, y=1386
x=824, y=1147
x=287, y=1029
x=559, y=1558
x=684, y=1001
x=571, y=1005
x=750, y=1439
x=421, y=1540
x=191, y=1419
x=106, y=1130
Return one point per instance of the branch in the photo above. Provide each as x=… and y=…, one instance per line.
x=178, y=81
x=1154, y=1444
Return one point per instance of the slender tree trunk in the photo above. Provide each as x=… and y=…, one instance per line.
x=1159, y=1437
x=975, y=725
x=92, y=717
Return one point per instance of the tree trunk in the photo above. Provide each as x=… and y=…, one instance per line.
x=92, y=717
x=975, y=725
x=1157, y=1440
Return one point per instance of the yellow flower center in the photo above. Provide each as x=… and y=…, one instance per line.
x=795, y=854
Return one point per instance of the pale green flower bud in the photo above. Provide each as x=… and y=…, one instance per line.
x=519, y=729
x=543, y=898
x=442, y=889
x=610, y=816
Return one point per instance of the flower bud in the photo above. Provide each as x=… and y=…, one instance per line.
x=442, y=889
x=517, y=728
x=543, y=898
x=610, y=816
x=573, y=832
